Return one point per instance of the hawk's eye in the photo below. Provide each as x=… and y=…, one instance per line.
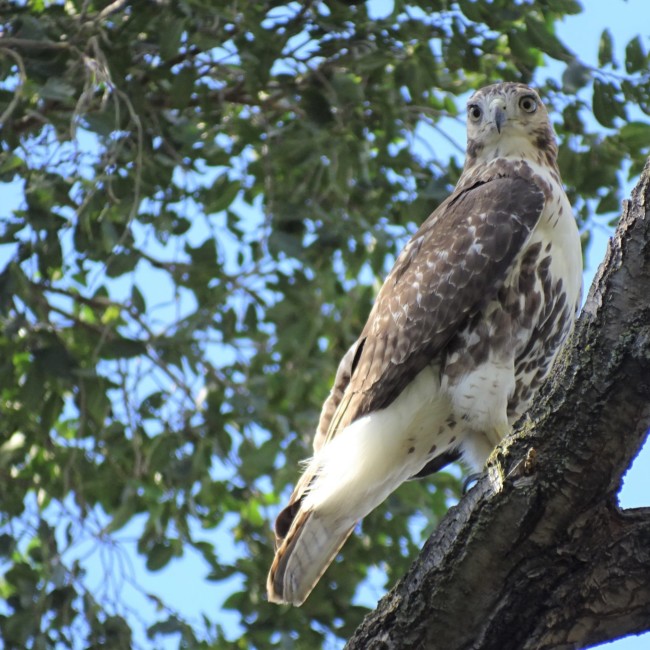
x=528, y=103
x=474, y=111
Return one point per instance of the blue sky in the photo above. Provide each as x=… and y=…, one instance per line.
x=182, y=583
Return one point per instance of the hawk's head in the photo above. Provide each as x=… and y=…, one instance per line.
x=508, y=120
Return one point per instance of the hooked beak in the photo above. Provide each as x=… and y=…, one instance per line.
x=499, y=115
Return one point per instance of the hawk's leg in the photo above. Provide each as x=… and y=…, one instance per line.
x=470, y=481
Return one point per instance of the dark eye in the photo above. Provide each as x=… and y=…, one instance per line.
x=528, y=103
x=474, y=111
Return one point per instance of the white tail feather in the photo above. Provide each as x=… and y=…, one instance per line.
x=351, y=475
x=371, y=457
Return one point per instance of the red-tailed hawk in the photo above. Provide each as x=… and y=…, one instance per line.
x=463, y=332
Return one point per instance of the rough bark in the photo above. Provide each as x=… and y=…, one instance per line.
x=546, y=559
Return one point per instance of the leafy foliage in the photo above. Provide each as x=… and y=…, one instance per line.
x=206, y=195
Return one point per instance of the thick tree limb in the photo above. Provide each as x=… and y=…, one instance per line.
x=548, y=560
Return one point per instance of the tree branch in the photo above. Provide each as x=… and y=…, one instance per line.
x=609, y=595
x=547, y=560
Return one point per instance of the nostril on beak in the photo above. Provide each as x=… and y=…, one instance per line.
x=498, y=112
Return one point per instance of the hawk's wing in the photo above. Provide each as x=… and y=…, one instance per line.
x=450, y=269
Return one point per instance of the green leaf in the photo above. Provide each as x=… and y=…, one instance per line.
x=54, y=359
x=605, y=49
x=110, y=237
x=122, y=516
x=636, y=134
x=473, y=10
x=159, y=556
x=635, y=56
x=542, y=36
x=100, y=123
x=569, y=7
x=604, y=103
x=24, y=578
x=221, y=572
x=235, y=601
x=170, y=38
x=169, y=626
x=121, y=263
x=93, y=399
x=204, y=255
x=256, y=459
x=285, y=243
x=10, y=165
x=137, y=299
x=183, y=87
x=520, y=46
x=123, y=348
x=222, y=194
x=57, y=89
x=609, y=203
x=7, y=545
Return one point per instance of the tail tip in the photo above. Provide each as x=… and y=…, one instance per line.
x=279, y=597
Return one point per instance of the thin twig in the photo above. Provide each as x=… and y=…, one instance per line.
x=31, y=44
x=19, y=89
x=110, y=9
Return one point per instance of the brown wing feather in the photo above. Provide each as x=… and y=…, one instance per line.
x=453, y=265
x=341, y=381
